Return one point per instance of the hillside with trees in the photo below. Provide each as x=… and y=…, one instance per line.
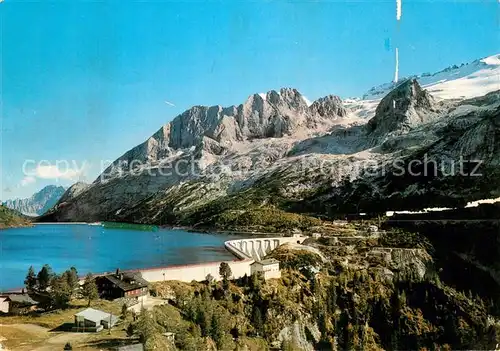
x=343, y=292
x=10, y=218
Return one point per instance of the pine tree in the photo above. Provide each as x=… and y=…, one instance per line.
x=210, y=279
x=130, y=330
x=203, y=319
x=150, y=333
x=124, y=311
x=255, y=282
x=72, y=278
x=205, y=293
x=30, y=282
x=60, y=292
x=257, y=321
x=89, y=289
x=146, y=326
x=44, y=277
x=245, y=280
x=225, y=271
x=216, y=330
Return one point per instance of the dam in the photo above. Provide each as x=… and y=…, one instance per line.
x=257, y=249
x=247, y=250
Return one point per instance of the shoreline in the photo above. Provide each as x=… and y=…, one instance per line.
x=60, y=223
x=29, y=225
x=184, y=228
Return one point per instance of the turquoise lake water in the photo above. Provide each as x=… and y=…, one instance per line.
x=96, y=249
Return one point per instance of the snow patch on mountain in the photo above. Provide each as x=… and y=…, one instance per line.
x=468, y=80
x=465, y=81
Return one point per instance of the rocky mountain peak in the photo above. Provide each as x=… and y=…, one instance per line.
x=213, y=129
x=293, y=97
x=39, y=202
x=330, y=105
x=405, y=107
x=48, y=192
x=284, y=97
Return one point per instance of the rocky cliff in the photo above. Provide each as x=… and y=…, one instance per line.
x=72, y=192
x=217, y=129
x=404, y=108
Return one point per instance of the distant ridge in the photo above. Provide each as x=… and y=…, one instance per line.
x=38, y=203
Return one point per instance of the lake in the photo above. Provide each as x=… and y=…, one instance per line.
x=97, y=249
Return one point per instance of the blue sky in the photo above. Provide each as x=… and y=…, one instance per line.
x=86, y=81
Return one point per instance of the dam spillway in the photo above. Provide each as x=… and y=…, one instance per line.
x=256, y=249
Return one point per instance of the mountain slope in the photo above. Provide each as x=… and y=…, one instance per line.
x=276, y=149
x=443, y=164
x=11, y=218
x=72, y=192
x=326, y=183
x=38, y=203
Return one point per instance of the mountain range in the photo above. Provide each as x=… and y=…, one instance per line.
x=38, y=203
x=326, y=157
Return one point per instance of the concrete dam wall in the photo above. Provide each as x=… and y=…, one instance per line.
x=247, y=250
x=257, y=249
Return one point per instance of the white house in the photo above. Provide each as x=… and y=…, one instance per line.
x=16, y=303
x=4, y=304
x=269, y=268
x=93, y=320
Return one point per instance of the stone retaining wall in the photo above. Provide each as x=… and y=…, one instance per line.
x=198, y=272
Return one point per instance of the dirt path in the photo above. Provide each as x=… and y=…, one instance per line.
x=24, y=337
